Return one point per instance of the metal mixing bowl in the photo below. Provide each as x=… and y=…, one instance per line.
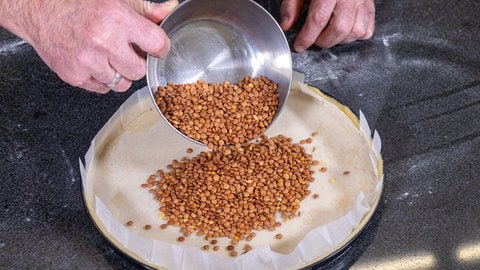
x=218, y=41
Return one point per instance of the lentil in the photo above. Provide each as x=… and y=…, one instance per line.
x=219, y=114
x=147, y=227
x=279, y=236
x=228, y=194
x=129, y=223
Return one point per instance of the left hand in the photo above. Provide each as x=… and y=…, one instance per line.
x=330, y=22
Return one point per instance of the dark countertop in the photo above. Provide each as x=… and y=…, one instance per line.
x=417, y=81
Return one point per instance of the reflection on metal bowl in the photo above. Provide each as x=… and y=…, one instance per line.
x=218, y=41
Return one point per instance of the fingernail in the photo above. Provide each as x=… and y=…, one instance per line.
x=299, y=48
x=172, y=3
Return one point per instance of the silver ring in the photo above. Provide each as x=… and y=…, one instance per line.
x=116, y=79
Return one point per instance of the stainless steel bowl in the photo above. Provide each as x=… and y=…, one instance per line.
x=218, y=41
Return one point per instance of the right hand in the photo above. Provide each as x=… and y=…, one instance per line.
x=86, y=42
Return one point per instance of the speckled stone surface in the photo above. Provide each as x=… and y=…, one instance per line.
x=417, y=81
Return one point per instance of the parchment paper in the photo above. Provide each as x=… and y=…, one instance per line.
x=136, y=142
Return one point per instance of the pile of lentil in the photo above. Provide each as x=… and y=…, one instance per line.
x=235, y=190
x=218, y=114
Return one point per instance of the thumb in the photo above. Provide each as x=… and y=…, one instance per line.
x=155, y=12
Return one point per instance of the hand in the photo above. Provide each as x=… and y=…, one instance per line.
x=86, y=42
x=329, y=22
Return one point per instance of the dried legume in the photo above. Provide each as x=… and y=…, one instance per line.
x=231, y=193
x=218, y=114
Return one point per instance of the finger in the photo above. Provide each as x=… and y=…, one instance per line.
x=87, y=64
x=150, y=37
x=105, y=74
x=156, y=12
x=122, y=85
x=78, y=69
x=99, y=78
x=290, y=11
x=370, y=6
x=319, y=13
x=94, y=86
x=340, y=26
x=362, y=26
x=128, y=62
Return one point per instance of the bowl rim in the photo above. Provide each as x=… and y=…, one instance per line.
x=153, y=62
